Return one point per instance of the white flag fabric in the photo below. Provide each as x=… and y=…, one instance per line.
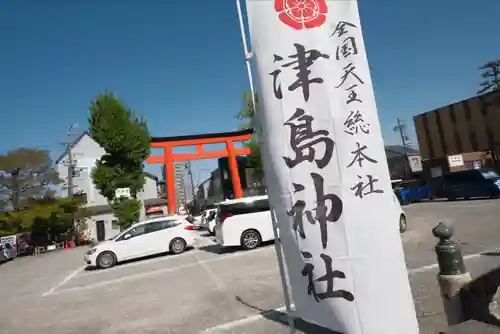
x=326, y=168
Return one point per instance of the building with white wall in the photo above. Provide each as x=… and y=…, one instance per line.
x=102, y=224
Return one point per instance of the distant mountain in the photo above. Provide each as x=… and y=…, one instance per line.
x=393, y=151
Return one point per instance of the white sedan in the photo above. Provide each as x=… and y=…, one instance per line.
x=154, y=236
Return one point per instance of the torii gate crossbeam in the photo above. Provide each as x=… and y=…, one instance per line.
x=168, y=158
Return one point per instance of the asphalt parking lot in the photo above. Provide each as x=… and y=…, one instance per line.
x=213, y=290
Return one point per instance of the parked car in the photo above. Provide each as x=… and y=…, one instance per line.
x=484, y=182
x=196, y=221
x=154, y=236
x=400, y=215
x=246, y=222
x=24, y=246
x=410, y=191
x=3, y=255
x=209, y=220
x=7, y=252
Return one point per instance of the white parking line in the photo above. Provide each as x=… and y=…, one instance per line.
x=435, y=265
x=244, y=321
x=64, y=281
x=152, y=273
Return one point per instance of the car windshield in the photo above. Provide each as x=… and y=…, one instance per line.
x=489, y=174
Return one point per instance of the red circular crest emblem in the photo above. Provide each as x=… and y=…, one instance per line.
x=301, y=14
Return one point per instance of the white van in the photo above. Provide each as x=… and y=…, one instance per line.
x=246, y=222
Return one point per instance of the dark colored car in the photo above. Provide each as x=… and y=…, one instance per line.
x=413, y=191
x=483, y=182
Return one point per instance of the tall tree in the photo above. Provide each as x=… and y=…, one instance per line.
x=247, y=113
x=248, y=116
x=25, y=173
x=490, y=72
x=126, y=140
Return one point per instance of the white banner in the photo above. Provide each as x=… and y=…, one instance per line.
x=415, y=163
x=11, y=239
x=323, y=149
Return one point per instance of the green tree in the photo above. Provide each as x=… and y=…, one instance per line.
x=248, y=116
x=25, y=173
x=247, y=113
x=44, y=216
x=490, y=87
x=490, y=72
x=126, y=140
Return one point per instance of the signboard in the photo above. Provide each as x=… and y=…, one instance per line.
x=455, y=160
x=122, y=192
x=415, y=163
x=11, y=239
x=323, y=150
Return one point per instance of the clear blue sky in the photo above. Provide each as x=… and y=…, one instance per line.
x=180, y=63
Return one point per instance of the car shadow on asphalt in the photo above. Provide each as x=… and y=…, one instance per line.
x=282, y=318
x=219, y=249
x=155, y=256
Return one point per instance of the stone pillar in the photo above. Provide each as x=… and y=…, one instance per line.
x=452, y=274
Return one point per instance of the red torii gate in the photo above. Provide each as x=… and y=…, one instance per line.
x=168, y=158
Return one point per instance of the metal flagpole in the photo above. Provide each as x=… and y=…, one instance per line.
x=277, y=242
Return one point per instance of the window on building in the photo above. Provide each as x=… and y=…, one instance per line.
x=114, y=224
x=76, y=172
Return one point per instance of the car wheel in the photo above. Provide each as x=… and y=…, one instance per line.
x=402, y=224
x=177, y=246
x=106, y=260
x=493, y=194
x=250, y=239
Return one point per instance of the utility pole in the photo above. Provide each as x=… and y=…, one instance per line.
x=401, y=128
x=16, y=190
x=70, y=158
x=70, y=171
x=183, y=187
x=69, y=147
